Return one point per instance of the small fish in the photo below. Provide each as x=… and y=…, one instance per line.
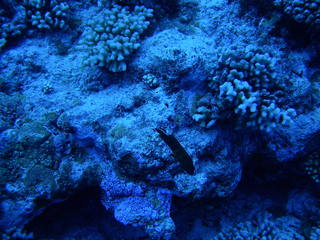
x=179, y=153
x=299, y=74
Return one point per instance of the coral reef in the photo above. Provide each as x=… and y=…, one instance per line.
x=312, y=166
x=41, y=14
x=315, y=233
x=244, y=87
x=264, y=227
x=46, y=14
x=11, y=110
x=303, y=11
x=87, y=152
x=151, y=80
x=12, y=23
x=113, y=35
x=303, y=204
x=16, y=234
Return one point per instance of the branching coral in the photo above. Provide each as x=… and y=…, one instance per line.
x=3, y=31
x=264, y=227
x=41, y=14
x=315, y=233
x=11, y=27
x=151, y=80
x=47, y=14
x=307, y=11
x=244, y=87
x=113, y=35
x=312, y=166
x=15, y=233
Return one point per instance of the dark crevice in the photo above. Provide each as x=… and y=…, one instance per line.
x=82, y=216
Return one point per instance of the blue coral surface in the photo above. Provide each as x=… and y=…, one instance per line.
x=160, y=119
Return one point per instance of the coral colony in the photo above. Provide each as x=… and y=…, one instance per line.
x=160, y=119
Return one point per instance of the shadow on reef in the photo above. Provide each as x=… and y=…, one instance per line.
x=82, y=216
x=297, y=34
x=267, y=187
x=263, y=174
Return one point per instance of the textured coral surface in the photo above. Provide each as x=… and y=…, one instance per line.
x=159, y=119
